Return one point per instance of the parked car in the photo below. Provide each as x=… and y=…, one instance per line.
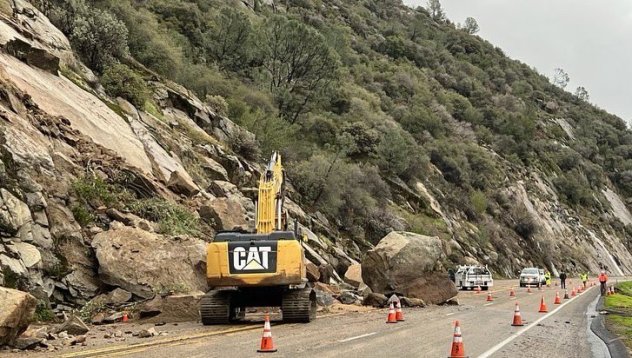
x=471, y=276
x=532, y=276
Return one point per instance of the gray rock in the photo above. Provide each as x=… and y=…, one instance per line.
x=33, y=56
x=353, y=276
x=411, y=265
x=29, y=254
x=40, y=218
x=74, y=325
x=214, y=170
x=146, y=333
x=412, y=302
x=349, y=298
x=13, y=212
x=36, y=201
x=118, y=296
x=62, y=222
x=135, y=260
x=324, y=299
x=375, y=300
x=16, y=311
x=25, y=343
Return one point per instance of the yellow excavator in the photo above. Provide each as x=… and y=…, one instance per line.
x=261, y=269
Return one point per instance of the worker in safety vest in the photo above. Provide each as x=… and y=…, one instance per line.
x=547, y=277
x=584, y=278
x=603, y=279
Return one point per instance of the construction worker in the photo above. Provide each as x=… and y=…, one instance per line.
x=603, y=280
x=584, y=278
x=563, y=280
x=547, y=277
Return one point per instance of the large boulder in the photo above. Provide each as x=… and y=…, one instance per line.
x=173, y=308
x=144, y=263
x=34, y=56
x=224, y=214
x=16, y=313
x=353, y=276
x=410, y=265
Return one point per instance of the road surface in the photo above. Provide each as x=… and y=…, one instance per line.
x=426, y=332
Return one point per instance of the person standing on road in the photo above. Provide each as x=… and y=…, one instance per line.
x=563, y=280
x=547, y=277
x=584, y=278
x=603, y=279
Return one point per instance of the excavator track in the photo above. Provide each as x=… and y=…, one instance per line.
x=299, y=305
x=215, y=307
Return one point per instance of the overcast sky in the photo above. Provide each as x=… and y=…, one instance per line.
x=590, y=39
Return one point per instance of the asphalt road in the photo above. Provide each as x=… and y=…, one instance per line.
x=426, y=332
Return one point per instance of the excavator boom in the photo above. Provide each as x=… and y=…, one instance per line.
x=271, y=194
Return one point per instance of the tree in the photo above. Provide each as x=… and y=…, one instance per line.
x=561, y=78
x=436, y=11
x=470, y=26
x=99, y=38
x=229, y=41
x=120, y=81
x=297, y=63
x=582, y=93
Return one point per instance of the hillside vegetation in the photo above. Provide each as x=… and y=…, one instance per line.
x=389, y=118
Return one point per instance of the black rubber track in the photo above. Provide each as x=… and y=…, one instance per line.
x=215, y=308
x=299, y=305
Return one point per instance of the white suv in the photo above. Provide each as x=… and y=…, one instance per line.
x=532, y=276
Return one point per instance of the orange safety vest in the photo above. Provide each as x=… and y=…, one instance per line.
x=603, y=277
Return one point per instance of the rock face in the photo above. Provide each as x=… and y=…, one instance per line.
x=144, y=263
x=181, y=183
x=16, y=312
x=410, y=265
x=224, y=214
x=13, y=212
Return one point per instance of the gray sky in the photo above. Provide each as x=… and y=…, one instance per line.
x=590, y=39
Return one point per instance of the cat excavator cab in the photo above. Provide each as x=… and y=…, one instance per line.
x=261, y=269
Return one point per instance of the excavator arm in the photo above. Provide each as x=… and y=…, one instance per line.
x=270, y=215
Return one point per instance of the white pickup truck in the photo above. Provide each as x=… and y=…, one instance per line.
x=470, y=277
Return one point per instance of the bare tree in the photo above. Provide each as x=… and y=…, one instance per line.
x=436, y=11
x=582, y=93
x=470, y=26
x=561, y=78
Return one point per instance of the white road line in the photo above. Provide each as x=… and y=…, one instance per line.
x=500, y=345
x=488, y=304
x=356, y=337
x=450, y=314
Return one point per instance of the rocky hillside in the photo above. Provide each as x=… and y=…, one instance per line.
x=130, y=132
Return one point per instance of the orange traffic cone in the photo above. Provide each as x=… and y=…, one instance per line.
x=566, y=294
x=557, y=298
x=266, y=339
x=392, y=317
x=517, y=318
x=125, y=318
x=573, y=293
x=399, y=315
x=457, y=351
x=580, y=289
x=543, y=306
x=489, y=297
x=512, y=293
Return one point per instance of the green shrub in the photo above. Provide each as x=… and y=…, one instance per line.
x=217, y=104
x=121, y=81
x=43, y=312
x=82, y=215
x=94, y=191
x=478, y=199
x=173, y=219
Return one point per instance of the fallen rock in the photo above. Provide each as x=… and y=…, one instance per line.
x=313, y=274
x=118, y=296
x=29, y=254
x=74, y=326
x=16, y=312
x=98, y=318
x=144, y=263
x=324, y=298
x=410, y=265
x=375, y=300
x=78, y=340
x=180, y=182
x=224, y=214
x=349, y=298
x=24, y=343
x=114, y=317
x=353, y=276
x=214, y=170
x=412, y=302
x=173, y=308
x=146, y=333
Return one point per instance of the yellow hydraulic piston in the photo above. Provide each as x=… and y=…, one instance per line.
x=270, y=204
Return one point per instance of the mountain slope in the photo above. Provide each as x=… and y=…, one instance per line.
x=387, y=120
